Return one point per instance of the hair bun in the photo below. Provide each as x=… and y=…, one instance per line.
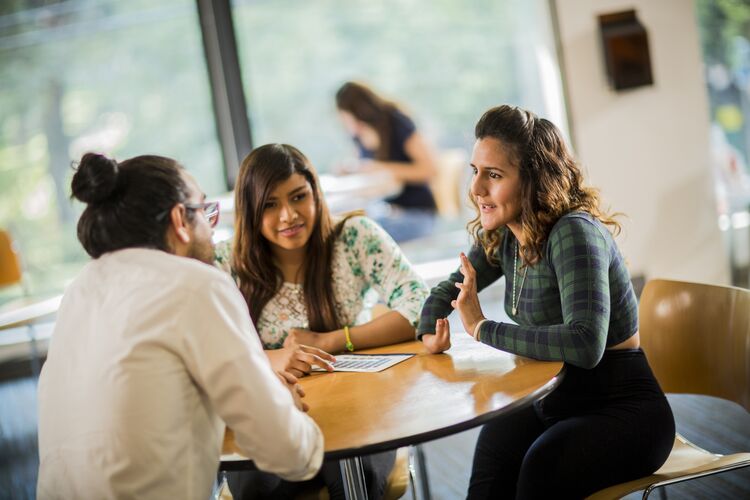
x=95, y=178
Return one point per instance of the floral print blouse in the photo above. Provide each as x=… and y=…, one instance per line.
x=367, y=264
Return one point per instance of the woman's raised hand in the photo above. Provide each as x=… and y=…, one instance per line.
x=439, y=341
x=467, y=302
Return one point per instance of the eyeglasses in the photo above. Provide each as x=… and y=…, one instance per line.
x=210, y=210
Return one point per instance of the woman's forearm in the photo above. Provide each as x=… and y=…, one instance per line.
x=390, y=328
x=423, y=165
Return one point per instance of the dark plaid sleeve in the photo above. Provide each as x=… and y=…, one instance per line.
x=438, y=304
x=579, y=255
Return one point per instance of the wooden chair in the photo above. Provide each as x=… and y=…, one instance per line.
x=697, y=339
x=10, y=263
x=447, y=186
x=13, y=313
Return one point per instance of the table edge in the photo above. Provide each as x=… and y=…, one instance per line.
x=539, y=393
x=393, y=444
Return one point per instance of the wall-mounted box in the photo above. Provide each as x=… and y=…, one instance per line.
x=626, y=53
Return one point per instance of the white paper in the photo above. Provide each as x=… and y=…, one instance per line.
x=365, y=362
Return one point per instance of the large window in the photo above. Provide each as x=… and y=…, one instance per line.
x=725, y=39
x=445, y=61
x=127, y=78
x=121, y=78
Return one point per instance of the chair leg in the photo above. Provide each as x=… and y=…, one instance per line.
x=412, y=482
x=418, y=471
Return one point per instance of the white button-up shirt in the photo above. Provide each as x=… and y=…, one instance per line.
x=151, y=355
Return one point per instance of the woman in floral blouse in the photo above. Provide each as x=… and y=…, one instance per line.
x=307, y=278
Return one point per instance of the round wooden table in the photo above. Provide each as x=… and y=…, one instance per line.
x=426, y=397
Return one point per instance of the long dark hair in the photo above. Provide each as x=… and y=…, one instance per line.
x=551, y=180
x=259, y=278
x=128, y=203
x=368, y=107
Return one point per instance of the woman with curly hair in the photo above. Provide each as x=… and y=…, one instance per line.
x=569, y=291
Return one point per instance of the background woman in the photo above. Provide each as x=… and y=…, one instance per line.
x=306, y=277
x=388, y=139
x=569, y=290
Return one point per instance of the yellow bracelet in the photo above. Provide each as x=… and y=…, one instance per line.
x=349, y=345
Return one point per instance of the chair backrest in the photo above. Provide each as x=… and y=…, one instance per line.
x=448, y=186
x=10, y=263
x=697, y=338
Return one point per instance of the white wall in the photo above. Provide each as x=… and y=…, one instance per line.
x=647, y=148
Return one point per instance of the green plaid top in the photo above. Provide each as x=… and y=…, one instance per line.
x=576, y=300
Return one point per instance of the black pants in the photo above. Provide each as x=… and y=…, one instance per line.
x=262, y=485
x=600, y=427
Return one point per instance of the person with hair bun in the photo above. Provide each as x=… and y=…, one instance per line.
x=153, y=351
x=388, y=139
x=568, y=290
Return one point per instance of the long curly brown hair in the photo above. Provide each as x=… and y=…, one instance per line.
x=252, y=259
x=551, y=180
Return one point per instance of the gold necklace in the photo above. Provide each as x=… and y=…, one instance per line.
x=514, y=300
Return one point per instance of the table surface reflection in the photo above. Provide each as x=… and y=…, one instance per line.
x=422, y=398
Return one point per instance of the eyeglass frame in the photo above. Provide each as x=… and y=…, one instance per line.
x=208, y=214
x=200, y=206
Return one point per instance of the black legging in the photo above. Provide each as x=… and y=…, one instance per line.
x=600, y=427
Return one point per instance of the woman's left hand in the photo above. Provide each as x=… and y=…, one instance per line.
x=467, y=302
x=299, y=336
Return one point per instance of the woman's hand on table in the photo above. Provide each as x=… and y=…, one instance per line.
x=440, y=341
x=300, y=336
x=467, y=302
x=298, y=359
x=326, y=341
